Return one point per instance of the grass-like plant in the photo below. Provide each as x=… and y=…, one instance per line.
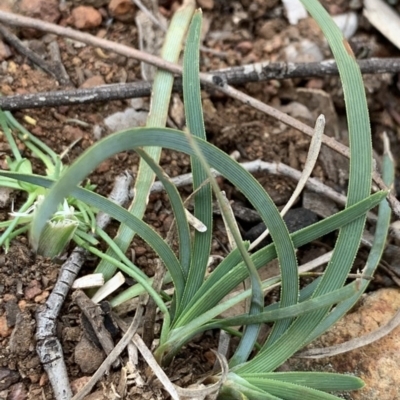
x=73, y=218
x=302, y=314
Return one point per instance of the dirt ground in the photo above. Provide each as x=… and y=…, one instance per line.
x=242, y=32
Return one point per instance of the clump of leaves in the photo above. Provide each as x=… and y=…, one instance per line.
x=198, y=300
x=73, y=217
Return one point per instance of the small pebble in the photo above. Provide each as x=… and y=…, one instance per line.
x=84, y=17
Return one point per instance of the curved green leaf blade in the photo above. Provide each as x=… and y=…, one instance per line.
x=122, y=215
x=203, y=197
x=169, y=138
x=378, y=246
x=290, y=391
x=160, y=99
x=228, y=275
x=274, y=354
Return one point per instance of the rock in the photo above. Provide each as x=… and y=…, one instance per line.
x=8, y=5
x=46, y=10
x=33, y=289
x=85, y=17
x=378, y=363
x=5, y=198
x=22, y=335
x=140, y=251
x=93, y=81
x=78, y=384
x=123, y=10
x=295, y=219
x=244, y=47
x=71, y=333
x=12, y=311
x=129, y=118
x=18, y=392
x=88, y=356
x=44, y=380
x=41, y=298
x=269, y=29
x=72, y=133
x=8, y=377
x=303, y=51
x=295, y=11
x=5, y=51
x=5, y=330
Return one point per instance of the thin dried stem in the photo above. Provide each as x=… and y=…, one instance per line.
x=115, y=353
x=312, y=156
x=48, y=346
x=354, y=343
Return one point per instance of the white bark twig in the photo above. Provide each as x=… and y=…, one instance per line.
x=256, y=166
x=312, y=156
x=263, y=166
x=48, y=346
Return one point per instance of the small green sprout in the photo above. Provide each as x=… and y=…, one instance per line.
x=65, y=222
x=58, y=231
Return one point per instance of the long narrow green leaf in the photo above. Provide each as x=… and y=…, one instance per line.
x=120, y=214
x=193, y=111
x=325, y=381
x=281, y=313
x=203, y=197
x=225, y=278
x=179, y=337
x=160, y=99
x=378, y=246
x=290, y=391
x=274, y=354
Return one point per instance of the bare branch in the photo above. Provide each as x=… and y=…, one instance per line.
x=118, y=349
x=54, y=68
x=233, y=76
x=48, y=346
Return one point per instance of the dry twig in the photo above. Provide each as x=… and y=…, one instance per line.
x=95, y=316
x=54, y=68
x=48, y=346
x=118, y=349
x=258, y=72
